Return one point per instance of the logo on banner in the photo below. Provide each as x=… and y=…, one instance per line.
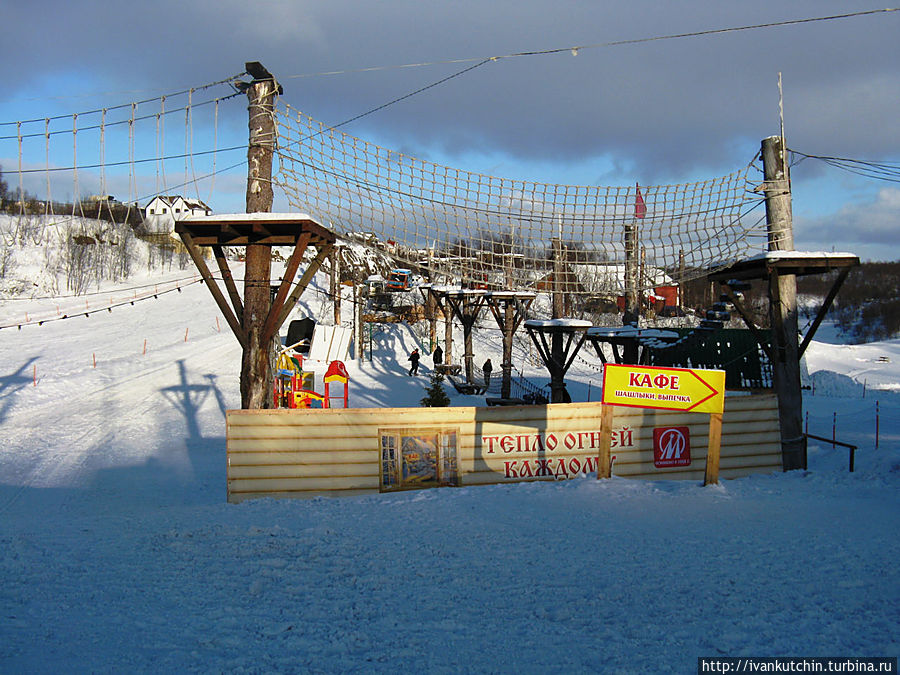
x=671, y=447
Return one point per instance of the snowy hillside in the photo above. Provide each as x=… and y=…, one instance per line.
x=118, y=552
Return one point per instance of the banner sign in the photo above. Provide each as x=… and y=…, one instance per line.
x=686, y=389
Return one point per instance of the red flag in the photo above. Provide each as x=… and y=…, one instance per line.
x=640, y=208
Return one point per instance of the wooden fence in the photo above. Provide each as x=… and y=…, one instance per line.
x=305, y=453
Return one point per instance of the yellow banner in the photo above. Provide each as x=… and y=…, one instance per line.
x=687, y=389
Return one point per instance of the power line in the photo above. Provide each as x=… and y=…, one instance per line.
x=616, y=43
x=886, y=171
x=228, y=80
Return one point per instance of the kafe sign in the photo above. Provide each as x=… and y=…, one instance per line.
x=686, y=389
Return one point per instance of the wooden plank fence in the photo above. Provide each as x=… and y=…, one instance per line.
x=305, y=453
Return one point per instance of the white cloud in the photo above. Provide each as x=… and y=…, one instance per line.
x=869, y=228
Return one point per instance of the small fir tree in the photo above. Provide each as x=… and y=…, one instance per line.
x=436, y=396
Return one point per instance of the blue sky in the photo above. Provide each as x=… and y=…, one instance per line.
x=662, y=111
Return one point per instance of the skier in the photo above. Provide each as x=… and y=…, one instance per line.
x=438, y=355
x=414, y=360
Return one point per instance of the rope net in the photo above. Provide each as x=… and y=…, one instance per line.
x=483, y=231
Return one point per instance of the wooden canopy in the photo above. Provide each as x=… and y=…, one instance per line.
x=255, y=229
x=556, y=355
x=798, y=263
x=769, y=266
x=241, y=229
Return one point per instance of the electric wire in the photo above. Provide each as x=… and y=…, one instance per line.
x=615, y=43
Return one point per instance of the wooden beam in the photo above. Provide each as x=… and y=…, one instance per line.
x=711, y=476
x=575, y=351
x=323, y=252
x=598, y=347
x=748, y=321
x=229, y=315
x=228, y=280
x=823, y=310
x=277, y=305
x=604, y=463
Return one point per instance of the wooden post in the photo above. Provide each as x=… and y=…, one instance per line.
x=360, y=324
x=604, y=465
x=336, y=283
x=431, y=315
x=448, y=332
x=509, y=328
x=256, y=372
x=630, y=316
x=642, y=283
x=713, y=451
x=558, y=308
x=783, y=306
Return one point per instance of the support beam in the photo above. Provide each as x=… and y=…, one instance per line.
x=823, y=310
x=509, y=310
x=278, y=304
x=560, y=352
x=194, y=251
x=228, y=280
x=761, y=339
x=321, y=254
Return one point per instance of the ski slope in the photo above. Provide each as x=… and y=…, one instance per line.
x=119, y=553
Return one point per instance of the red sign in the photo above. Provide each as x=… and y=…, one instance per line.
x=671, y=447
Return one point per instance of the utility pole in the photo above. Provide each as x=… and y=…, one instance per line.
x=632, y=305
x=256, y=362
x=558, y=272
x=632, y=289
x=783, y=305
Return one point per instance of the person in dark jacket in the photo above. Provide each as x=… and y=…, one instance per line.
x=488, y=367
x=438, y=355
x=414, y=360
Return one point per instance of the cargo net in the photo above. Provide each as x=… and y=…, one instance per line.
x=475, y=230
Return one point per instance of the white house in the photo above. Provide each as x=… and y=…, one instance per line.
x=162, y=211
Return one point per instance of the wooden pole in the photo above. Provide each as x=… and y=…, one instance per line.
x=711, y=476
x=630, y=316
x=361, y=326
x=604, y=465
x=448, y=332
x=509, y=329
x=336, y=284
x=558, y=272
x=256, y=371
x=783, y=306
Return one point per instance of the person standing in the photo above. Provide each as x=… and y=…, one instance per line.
x=487, y=368
x=438, y=355
x=414, y=362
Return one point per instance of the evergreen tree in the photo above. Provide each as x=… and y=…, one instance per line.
x=436, y=396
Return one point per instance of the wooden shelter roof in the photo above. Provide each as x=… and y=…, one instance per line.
x=241, y=229
x=799, y=263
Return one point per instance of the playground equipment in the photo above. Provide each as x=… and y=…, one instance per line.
x=336, y=372
x=295, y=387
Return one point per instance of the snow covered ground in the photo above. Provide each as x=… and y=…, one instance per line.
x=119, y=553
